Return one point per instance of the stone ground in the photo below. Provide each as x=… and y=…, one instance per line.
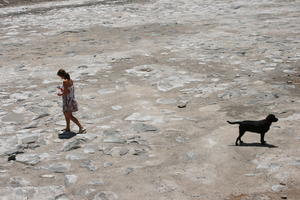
x=156, y=81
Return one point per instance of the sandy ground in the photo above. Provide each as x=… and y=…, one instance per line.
x=156, y=81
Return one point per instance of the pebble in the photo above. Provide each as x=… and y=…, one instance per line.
x=191, y=155
x=141, y=127
x=47, y=176
x=113, y=136
x=26, y=139
x=250, y=175
x=41, y=116
x=71, y=145
x=106, y=195
x=278, y=188
x=106, y=91
x=62, y=197
x=60, y=167
x=70, y=179
x=116, y=107
x=96, y=182
x=21, y=96
x=89, y=165
x=180, y=139
x=118, y=151
x=28, y=159
x=143, y=118
x=76, y=156
x=166, y=101
x=90, y=149
x=107, y=164
x=34, y=193
x=182, y=103
x=18, y=182
x=128, y=170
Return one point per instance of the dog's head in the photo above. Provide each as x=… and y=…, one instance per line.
x=271, y=118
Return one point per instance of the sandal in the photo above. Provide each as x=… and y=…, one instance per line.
x=82, y=131
x=65, y=130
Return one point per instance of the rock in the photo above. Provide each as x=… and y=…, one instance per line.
x=59, y=167
x=32, y=193
x=18, y=182
x=106, y=91
x=75, y=144
x=41, y=116
x=128, y=170
x=230, y=94
x=114, y=139
x=62, y=197
x=113, y=136
x=21, y=96
x=140, y=127
x=180, y=139
x=91, y=149
x=3, y=171
x=139, y=151
x=250, y=175
x=33, y=124
x=143, y=118
x=89, y=165
x=118, y=151
x=96, y=182
x=136, y=140
x=107, y=164
x=191, y=155
x=182, y=103
x=287, y=71
x=13, y=117
x=236, y=7
x=76, y=156
x=106, y=195
x=166, y=101
x=85, y=192
x=86, y=137
x=70, y=179
x=28, y=159
x=27, y=139
x=116, y=107
x=278, y=188
x=47, y=176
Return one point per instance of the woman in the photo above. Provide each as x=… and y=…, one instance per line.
x=69, y=102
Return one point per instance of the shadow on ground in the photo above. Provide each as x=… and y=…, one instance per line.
x=66, y=135
x=256, y=145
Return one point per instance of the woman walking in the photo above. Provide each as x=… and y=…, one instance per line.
x=69, y=103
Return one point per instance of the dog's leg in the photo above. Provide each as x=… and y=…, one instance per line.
x=262, y=138
x=241, y=133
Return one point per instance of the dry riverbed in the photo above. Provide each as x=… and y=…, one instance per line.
x=156, y=81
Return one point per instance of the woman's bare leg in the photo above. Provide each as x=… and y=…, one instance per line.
x=75, y=120
x=67, y=117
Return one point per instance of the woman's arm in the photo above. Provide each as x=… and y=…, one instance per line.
x=65, y=90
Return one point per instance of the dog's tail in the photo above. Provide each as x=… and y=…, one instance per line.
x=233, y=122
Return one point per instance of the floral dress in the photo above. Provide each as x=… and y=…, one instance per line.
x=69, y=102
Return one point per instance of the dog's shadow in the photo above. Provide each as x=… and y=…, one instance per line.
x=66, y=135
x=255, y=145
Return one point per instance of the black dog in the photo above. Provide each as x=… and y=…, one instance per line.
x=260, y=127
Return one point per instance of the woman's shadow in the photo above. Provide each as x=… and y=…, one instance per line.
x=66, y=135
